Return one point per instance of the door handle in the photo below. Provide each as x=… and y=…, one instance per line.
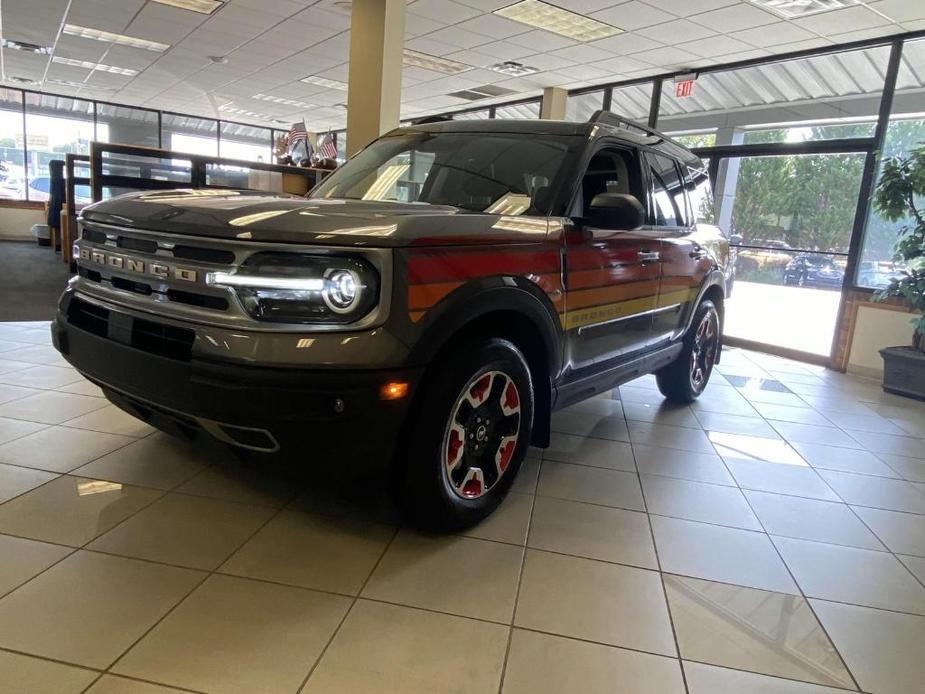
x=648, y=256
x=699, y=254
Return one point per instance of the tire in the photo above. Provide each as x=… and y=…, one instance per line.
x=684, y=379
x=466, y=436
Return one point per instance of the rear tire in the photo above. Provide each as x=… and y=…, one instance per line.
x=466, y=437
x=684, y=379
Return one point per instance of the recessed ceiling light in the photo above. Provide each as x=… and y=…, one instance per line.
x=542, y=15
x=790, y=9
x=281, y=100
x=514, y=69
x=324, y=82
x=109, y=37
x=200, y=6
x=24, y=46
x=89, y=65
x=21, y=80
x=433, y=62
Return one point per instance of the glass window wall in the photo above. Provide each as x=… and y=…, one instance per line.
x=126, y=126
x=12, y=146
x=55, y=126
x=906, y=131
x=188, y=134
x=245, y=142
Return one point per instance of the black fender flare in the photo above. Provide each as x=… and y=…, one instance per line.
x=484, y=296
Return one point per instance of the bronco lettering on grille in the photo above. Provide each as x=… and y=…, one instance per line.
x=135, y=265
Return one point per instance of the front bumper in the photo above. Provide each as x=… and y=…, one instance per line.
x=316, y=411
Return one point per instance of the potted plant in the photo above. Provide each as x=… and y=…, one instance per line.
x=899, y=197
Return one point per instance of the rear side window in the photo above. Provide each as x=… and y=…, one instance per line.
x=700, y=194
x=667, y=191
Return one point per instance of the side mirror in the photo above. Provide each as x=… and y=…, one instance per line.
x=616, y=211
x=735, y=240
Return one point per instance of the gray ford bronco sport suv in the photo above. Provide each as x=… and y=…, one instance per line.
x=430, y=303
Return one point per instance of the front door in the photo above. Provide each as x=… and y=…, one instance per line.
x=612, y=275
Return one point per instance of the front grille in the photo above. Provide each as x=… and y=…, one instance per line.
x=204, y=255
x=86, y=316
x=132, y=244
x=216, y=303
x=148, y=336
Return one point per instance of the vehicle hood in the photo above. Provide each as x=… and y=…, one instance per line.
x=268, y=217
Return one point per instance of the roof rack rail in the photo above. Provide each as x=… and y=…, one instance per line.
x=609, y=118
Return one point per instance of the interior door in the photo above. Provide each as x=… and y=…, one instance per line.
x=684, y=261
x=612, y=275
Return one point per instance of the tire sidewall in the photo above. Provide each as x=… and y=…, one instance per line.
x=428, y=496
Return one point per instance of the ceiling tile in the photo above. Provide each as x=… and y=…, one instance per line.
x=840, y=21
x=454, y=36
x=900, y=10
x=686, y=8
x=632, y=15
x=583, y=53
x=625, y=44
x=714, y=46
x=493, y=26
x=773, y=34
x=445, y=11
x=735, y=18
x=676, y=31
x=539, y=38
x=668, y=57
x=505, y=50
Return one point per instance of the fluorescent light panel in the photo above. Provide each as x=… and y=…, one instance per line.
x=281, y=100
x=89, y=65
x=24, y=46
x=793, y=9
x=324, y=82
x=541, y=15
x=228, y=108
x=109, y=37
x=433, y=62
x=200, y=6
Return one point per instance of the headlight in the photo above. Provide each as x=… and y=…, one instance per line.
x=297, y=288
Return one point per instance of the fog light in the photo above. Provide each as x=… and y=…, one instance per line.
x=394, y=390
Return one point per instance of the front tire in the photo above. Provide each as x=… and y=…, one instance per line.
x=466, y=436
x=684, y=379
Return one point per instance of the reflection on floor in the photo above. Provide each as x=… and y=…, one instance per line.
x=769, y=538
x=799, y=318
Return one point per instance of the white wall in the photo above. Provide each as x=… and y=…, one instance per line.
x=874, y=329
x=15, y=223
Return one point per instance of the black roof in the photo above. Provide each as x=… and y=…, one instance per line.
x=596, y=127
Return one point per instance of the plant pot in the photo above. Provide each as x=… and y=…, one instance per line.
x=904, y=371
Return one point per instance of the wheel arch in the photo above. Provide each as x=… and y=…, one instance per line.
x=510, y=308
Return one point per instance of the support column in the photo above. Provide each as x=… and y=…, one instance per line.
x=727, y=178
x=377, y=39
x=553, y=105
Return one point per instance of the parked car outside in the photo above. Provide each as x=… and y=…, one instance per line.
x=428, y=305
x=814, y=270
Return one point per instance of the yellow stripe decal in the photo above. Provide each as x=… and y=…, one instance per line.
x=623, y=309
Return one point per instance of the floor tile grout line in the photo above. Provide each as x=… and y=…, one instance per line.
x=895, y=556
x=661, y=577
x=772, y=676
x=520, y=578
x=206, y=576
x=793, y=578
x=355, y=599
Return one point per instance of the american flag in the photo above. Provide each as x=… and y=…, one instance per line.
x=328, y=149
x=297, y=133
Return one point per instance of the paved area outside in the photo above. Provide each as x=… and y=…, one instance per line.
x=768, y=539
x=798, y=318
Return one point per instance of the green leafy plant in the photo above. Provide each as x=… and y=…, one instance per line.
x=899, y=198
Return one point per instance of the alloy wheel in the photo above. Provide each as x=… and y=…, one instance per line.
x=703, y=354
x=481, y=435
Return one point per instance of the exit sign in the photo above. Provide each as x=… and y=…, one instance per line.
x=684, y=85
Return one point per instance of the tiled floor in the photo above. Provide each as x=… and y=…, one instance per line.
x=769, y=539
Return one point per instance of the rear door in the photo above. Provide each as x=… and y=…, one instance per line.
x=684, y=261
x=612, y=275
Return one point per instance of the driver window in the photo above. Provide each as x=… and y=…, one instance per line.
x=609, y=171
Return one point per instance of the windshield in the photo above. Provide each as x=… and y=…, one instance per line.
x=497, y=173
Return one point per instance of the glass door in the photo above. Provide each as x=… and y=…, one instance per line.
x=789, y=218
